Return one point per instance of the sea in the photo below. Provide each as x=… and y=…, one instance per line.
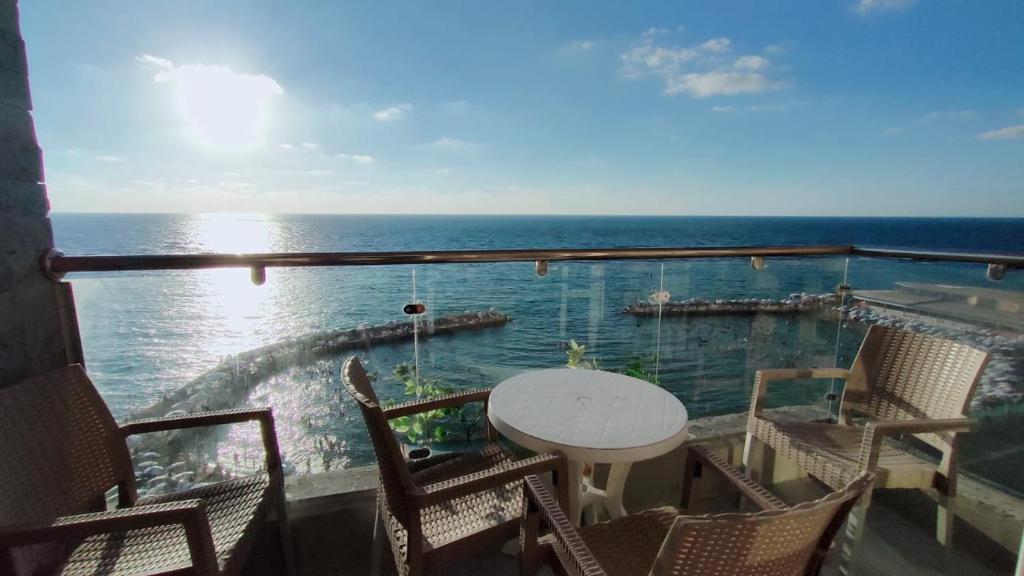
x=147, y=334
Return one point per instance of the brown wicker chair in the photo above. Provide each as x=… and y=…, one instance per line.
x=779, y=541
x=901, y=383
x=442, y=512
x=62, y=451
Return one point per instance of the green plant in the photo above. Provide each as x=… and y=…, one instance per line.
x=637, y=367
x=578, y=359
x=423, y=427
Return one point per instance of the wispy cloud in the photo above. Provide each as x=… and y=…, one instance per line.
x=287, y=146
x=447, y=143
x=321, y=172
x=750, y=108
x=706, y=69
x=865, y=7
x=751, y=62
x=155, y=61
x=893, y=130
x=310, y=145
x=108, y=158
x=1008, y=133
x=948, y=115
x=717, y=45
x=357, y=158
x=580, y=46
x=393, y=113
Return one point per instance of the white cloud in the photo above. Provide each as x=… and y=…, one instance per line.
x=451, y=144
x=717, y=82
x=221, y=108
x=723, y=108
x=865, y=7
x=774, y=49
x=393, y=113
x=717, y=45
x=581, y=46
x=287, y=146
x=155, y=61
x=310, y=145
x=109, y=158
x=948, y=115
x=321, y=172
x=150, y=183
x=357, y=158
x=1008, y=133
x=700, y=70
x=751, y=62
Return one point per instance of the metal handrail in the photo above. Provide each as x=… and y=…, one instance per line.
x=56, y=264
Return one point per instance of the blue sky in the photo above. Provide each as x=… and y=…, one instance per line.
x=859, y=107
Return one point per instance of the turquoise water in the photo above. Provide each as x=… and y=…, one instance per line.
x=148, y=334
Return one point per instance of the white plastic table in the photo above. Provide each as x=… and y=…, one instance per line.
x=592, y=417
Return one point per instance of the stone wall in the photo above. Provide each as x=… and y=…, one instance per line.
x=31, y=338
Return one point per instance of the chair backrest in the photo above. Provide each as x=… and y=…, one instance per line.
x=902, y=375
x=394, y=473
x=789, y=542
x=60, y=450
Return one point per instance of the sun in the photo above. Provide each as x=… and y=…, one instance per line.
x=221, y=109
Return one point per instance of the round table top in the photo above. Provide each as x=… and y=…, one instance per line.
x=588, y=415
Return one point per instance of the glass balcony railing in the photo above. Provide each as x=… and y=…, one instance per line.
x=163, y=341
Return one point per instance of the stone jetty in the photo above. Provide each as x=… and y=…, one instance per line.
x=227, y=385
x=794, y=304
x=175, y=460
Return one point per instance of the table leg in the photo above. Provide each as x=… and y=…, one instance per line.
x=613, y=491
x=575, y=491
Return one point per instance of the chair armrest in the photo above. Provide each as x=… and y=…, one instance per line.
x=503, y=473
x=191, y=514
x=876, y=431
x=763, y=377
x=201, y=419
x=437, y=402
x=574, y=556
x=754, y=492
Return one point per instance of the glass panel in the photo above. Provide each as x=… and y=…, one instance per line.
x=957, y=301
x=726, y=320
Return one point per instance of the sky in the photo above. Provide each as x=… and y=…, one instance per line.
x=853, y=107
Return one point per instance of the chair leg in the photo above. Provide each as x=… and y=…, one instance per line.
x=854, y=532
x=378, y=544
x=284, y=529
x=692, y=471
x=747, y=447
x=945, y=483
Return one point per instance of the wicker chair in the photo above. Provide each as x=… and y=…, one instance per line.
x=901, y=383
x=440, y=513
x=778, y=541
x=62, y=451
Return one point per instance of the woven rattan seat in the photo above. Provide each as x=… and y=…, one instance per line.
x=778, y=541
x=440, y=513
x=901, y=383
x=233, y=507
x=65, y=451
